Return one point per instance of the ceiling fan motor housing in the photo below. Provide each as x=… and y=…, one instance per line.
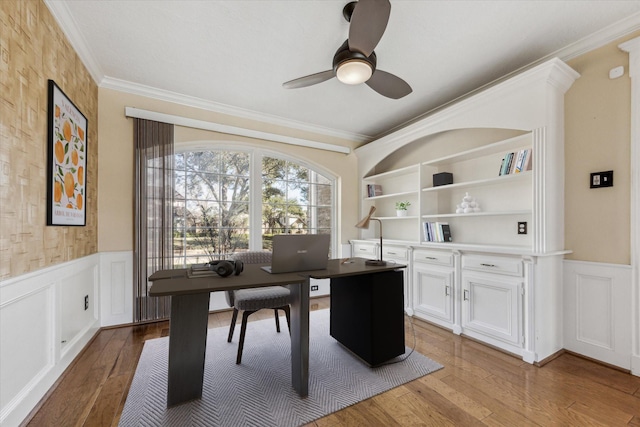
x=343, y=54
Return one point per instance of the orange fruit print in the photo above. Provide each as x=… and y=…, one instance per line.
x=69, y=184
x=66, y=130
x=81, y=133
x=79, y=201
x=74, y=157
x=59, y=149
x=81, y=175
x=57, y=191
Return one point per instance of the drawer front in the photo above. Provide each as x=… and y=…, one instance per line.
x=493, y=264
x=364, y=250
x=394, y=253
x=433, y=257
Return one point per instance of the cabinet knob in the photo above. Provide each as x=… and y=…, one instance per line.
x=446, y=291
x=487, y=265
x=430, y=257
x=465, y=295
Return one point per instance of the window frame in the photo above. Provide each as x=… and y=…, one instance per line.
x=256, y=155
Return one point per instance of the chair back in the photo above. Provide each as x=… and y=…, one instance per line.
x=248, y=257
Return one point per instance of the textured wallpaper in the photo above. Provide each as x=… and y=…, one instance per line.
x=33, y=49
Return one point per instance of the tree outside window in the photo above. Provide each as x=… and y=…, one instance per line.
x=213, y=196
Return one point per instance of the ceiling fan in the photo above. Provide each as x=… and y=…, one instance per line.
x=355, y=61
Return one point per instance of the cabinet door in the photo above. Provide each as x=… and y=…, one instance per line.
x=492, y=306
x=433, y=293
x=364, y=250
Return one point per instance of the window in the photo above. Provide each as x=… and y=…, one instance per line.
x=295, y=200
x=215, y=192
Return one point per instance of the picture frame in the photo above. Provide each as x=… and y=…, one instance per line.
x=67, y=160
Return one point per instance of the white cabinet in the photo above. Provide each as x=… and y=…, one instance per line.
x=492, y=307
x=490, y=281
x=433, y=293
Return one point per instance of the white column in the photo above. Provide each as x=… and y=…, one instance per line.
x=633, y=48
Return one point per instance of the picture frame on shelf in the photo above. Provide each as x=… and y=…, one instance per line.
x=66, y=160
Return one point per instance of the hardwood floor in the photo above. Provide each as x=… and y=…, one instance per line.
x=478, y=386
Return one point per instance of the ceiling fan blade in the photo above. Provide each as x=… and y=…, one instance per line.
x=388, y=85
x=309, y=80
x=368, y=22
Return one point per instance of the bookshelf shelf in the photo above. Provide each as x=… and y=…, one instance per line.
x=393, y=173
x=476, y=214
x=503, y=179
x=386, y=196
x=393, y=218
x=495, y=148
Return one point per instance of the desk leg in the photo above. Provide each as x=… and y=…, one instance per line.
x=187, y=347
x=300, y=337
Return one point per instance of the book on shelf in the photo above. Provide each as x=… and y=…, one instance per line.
x=516, y=162
x=374, y=190
x=436, y=232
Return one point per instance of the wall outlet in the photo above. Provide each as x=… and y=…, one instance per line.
x=86, y=302
x=314, y=287
x=522, y=228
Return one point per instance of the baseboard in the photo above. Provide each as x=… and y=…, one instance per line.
x=548, y=359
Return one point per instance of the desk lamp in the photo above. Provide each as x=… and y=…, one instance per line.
x=364, y=223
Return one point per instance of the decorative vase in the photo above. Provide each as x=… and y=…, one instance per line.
x=401, y=213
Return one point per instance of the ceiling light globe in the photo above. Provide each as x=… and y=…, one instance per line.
x=354, y=72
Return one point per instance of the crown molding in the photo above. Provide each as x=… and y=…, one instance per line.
x=191, y=101
x=69, y=27
x=62, y=15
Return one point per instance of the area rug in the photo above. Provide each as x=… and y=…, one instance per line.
x=258, y=392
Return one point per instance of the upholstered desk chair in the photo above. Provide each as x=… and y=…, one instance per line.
x=252, y=300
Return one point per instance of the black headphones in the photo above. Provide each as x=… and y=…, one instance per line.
x=227, y=268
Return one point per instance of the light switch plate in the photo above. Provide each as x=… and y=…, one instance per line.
x=601, y=179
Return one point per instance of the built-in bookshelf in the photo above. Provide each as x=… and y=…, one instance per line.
x=491, y=282
x=504, y=198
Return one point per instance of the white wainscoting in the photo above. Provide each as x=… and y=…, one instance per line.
x=116, y=288
x=43, y=327
x=597, y=311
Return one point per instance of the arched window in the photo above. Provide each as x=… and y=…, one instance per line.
x=227, y=201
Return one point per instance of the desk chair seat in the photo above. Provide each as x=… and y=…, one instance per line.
x=252, y=300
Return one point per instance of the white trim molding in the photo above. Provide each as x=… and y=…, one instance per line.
x=231, y=130
x=116, y=288
x=597, y=314
x=633, y=48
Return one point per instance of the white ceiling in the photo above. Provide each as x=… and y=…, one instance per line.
x=233, y=56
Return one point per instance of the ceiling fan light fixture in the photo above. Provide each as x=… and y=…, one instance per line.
x=354, y=71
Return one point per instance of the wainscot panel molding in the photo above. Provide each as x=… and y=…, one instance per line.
x=43, y=327
x=116, y=288
x=597, y=311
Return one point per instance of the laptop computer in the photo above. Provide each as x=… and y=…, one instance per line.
x=299, y=252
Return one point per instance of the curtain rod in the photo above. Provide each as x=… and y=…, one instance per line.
x=231, y=130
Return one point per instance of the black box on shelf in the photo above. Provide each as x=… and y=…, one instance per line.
x=442, y=178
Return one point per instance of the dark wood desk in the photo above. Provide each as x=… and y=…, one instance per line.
x=190, y=308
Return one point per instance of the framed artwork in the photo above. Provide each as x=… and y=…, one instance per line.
x=67, y=161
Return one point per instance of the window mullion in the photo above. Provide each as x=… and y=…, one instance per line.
x=255, y=204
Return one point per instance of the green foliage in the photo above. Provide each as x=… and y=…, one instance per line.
x=402, y=206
